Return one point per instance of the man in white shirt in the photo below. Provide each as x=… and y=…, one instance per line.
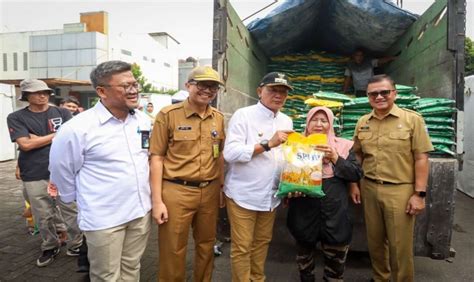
x=254, y=160
x=100, y=159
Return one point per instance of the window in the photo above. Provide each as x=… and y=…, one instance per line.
x=25, y=61
x=153, y=60
x=167, y=65
x=126, y=52
x=145, y=58
x=15, y=61
x=5, y=68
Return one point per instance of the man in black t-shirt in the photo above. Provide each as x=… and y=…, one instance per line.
x=33, y=129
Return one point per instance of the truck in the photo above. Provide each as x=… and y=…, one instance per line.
x=430, y=55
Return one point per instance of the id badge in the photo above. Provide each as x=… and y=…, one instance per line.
x=215, y=150
x=145, y=139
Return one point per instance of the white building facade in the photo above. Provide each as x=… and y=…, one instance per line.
x=71, y=53
x=15, y=58
x=156, y=55
x=67, y=55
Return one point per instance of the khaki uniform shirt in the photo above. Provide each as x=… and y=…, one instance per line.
x=190, y=144
x=388, y=145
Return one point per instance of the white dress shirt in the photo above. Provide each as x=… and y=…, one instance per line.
x=252, y=181
x=98, y=160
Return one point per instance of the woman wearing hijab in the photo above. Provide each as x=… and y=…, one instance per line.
x=325, y=220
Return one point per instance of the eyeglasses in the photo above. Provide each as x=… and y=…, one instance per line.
x=383, y=93
x=201, y=85
x=126, y=87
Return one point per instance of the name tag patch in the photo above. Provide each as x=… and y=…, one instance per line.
x=145, y=134
x=185, y=127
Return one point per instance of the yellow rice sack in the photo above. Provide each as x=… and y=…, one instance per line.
x=302, y=171
x=313, y=102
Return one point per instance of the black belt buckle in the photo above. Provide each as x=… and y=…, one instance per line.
x=190, y=183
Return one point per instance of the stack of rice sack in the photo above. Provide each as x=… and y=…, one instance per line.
x=438, y=115
x=358, y=107
x=309, y=73
x=406, y=96
x=351, y=112
x=333, y=100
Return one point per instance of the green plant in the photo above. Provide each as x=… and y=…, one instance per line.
x=469, y=56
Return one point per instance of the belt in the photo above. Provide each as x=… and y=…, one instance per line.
x=381, y=181
x=190, y=183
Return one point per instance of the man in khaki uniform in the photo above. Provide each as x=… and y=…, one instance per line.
x=187, y=176
x=392, y=144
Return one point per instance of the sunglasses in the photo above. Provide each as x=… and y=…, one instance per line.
x=383, y=93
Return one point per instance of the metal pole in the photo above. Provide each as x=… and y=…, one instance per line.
x=260, y=10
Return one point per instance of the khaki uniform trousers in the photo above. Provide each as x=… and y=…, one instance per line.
x=115, y=253
x=188, y=207
x=389, y=230
x=251, y=233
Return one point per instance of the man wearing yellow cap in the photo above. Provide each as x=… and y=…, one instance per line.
x=187, y=175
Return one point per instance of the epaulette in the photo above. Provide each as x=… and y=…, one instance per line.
x=173, y=107
x=214, y=110
x=411, y=111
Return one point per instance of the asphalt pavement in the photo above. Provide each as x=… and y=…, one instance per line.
x=19, y=250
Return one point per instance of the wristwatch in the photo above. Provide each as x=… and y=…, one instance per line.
x=421, y=194
x=264, y=144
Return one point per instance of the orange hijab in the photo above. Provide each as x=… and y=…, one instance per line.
x=343, y=146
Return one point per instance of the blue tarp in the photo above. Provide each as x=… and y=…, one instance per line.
x=338, y=26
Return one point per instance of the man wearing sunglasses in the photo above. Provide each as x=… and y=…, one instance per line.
x=187, y=176
x=100, y=159
x=392, y=145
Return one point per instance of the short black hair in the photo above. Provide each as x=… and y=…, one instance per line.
x=70, y=99
x=101, y=74
x=382, y=77
x=150, y=103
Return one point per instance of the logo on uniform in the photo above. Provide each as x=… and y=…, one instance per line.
x=281, y=78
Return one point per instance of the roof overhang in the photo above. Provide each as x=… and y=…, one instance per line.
x=51, y=82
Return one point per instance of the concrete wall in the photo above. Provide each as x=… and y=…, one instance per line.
x=67, y=55
x=7, y=94
x=158, y=63
x=19, y=43
x=186, y=67
x=184, y=70
x=72, y=54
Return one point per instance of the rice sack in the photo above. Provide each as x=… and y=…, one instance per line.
x=302, y=169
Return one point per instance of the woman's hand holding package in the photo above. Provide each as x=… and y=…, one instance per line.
x=330, y=154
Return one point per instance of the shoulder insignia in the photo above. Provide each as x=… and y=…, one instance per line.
x=173, y=107
x=411, y=111
x=214, y=110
